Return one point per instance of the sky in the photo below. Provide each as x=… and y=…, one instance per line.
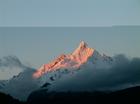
x=69, y=12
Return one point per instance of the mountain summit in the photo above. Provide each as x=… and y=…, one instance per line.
x=73, y=60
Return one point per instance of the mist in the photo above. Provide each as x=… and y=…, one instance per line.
x=124, y=73
x=10, y=66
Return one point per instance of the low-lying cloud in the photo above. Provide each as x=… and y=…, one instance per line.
x=10, y=61
x=10, y=66
x=123, y=73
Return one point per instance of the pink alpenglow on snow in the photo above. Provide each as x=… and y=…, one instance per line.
x=73, y=60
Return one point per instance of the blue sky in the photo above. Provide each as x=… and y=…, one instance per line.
x=69, y=12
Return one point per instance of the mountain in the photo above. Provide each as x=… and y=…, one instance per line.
x=128, y=95
x=74, y=60
x=7, y=99
x=82, y=55
x=70, y=63
x=124, y=96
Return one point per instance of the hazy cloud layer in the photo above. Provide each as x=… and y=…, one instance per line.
x=10, y=61
x=10, y=66
x=123, y=73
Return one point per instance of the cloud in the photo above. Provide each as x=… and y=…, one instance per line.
x=10, y=61
x=10, y=66
x=123, y=73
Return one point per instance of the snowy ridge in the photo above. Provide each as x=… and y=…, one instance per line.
x=74, y=60
x=82, y=58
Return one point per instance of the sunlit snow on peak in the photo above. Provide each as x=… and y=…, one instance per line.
x=73, y=60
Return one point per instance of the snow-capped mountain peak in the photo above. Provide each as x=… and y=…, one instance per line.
x=82, y=46
x=82, y=53
x=73, y=60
